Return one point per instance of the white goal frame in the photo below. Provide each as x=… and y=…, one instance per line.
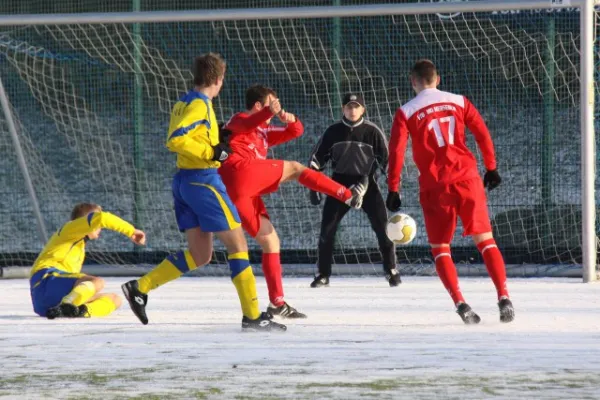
x=587, y=92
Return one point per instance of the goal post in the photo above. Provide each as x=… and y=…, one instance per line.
x=495, y=50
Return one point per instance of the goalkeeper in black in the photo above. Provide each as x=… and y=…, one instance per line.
x=356, y=148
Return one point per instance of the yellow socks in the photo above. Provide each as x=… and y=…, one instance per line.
x=80, y=293
x=168, y=270
x=101, y=307
x=245, y=284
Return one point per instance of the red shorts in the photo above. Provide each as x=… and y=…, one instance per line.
x=246, y=181
x=442, y=206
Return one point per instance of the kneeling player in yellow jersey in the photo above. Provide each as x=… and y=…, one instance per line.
x=58, y=288
x=202, y=206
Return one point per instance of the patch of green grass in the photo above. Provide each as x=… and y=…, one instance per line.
x=14, y=356
x=203, y=394
x=489, y=390
x=152, y=396
x=376, y=385
x=90, y=378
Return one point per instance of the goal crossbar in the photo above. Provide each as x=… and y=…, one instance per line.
x=287, y=12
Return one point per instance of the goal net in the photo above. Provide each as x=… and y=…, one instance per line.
x=92, y=104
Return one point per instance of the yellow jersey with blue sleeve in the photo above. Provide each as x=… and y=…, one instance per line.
x=65, y=250
x=193, y=130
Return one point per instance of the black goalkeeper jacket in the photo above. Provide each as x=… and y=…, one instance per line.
x=354, y=149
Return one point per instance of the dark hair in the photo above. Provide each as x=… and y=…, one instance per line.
x=83, y=209
x=258, y=93
x=208, y=68
x=425, y=71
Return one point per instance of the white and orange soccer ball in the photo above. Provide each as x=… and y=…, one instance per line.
x=401, y=228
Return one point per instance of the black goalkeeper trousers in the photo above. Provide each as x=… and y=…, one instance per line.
x=333, y=212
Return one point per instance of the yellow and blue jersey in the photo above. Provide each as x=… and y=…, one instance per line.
x=65, y=251
x=193, y=130
x=58, y=267
x=198, y=191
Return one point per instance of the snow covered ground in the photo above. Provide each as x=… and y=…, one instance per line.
x=362, y=340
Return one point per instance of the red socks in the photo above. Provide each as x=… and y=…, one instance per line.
x=495, y=265
x=446, y=270
x=319, y=182
x=271, y=266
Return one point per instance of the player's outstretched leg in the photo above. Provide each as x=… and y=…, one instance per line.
x=494, y=264
x=319, y=182
x=446, y=270
x=171, y=268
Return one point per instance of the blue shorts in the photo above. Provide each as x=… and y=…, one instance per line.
x=49, y=286
x=202, y=201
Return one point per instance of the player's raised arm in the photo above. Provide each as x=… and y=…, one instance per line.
x=474, y=121
x=83, y=226
x=398, y=142
x=247, y=122
x=293, y=129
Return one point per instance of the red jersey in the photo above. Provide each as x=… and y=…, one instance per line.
x=251, y=136
x=436, y=121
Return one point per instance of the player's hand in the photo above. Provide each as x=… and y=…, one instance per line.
x=393, y=201
x=491, y=179
x=222, y=151
x=138, y=237
x=286, y=117
x=315, y=198
x=275, y=106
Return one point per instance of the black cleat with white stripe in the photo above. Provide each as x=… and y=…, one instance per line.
x=507, y=312
x=263, y=323
x=393, y=277
x=467, y=314
x=137, y=300
x=285, y=311
x=63, y=310
x=320, y=281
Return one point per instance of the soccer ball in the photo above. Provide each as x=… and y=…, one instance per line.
x=401, y=228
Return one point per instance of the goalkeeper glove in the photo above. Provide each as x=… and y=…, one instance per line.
x=221, y=152
x=491, y=179
x=315, y=198
x=393, y=201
